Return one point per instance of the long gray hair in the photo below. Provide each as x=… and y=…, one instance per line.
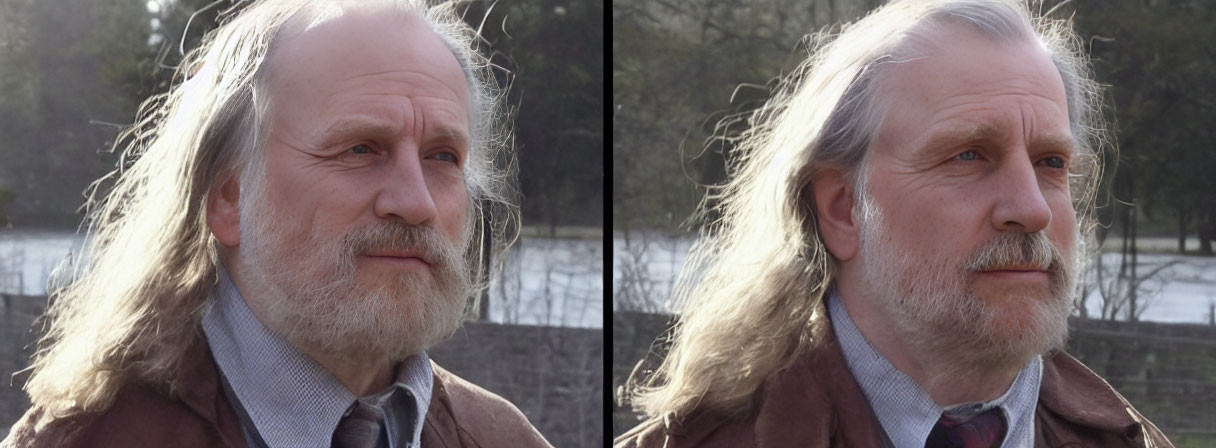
x=134, y=304
x=753, y=280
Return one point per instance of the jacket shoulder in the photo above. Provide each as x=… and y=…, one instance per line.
x=139, y=416
x=699, y=430
x=477, y=417
x=648, y=433
x=1075, y=403
x=812, y=402
x=31, y=431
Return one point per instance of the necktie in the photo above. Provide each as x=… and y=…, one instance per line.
x=986, y=430
x=362, y=427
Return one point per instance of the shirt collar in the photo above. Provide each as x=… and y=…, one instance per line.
x=905, y=411
x=305, y=410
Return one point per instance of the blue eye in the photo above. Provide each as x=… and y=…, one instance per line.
x=360, y=149
x=446, y=157
x=1054, y=162
x=968, y=155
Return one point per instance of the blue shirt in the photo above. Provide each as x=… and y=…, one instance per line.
x=289, y=399
x=905, y=411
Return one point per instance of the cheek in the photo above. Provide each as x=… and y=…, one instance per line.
x=932, y=224
x=1064, y=229
x=924, y=216
x=452, y=205
x=317, y=207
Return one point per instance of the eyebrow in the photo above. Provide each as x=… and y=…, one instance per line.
x=343, y=129
x=451, y=134
x=946, y=139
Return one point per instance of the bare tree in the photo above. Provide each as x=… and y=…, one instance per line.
x=1126, y=290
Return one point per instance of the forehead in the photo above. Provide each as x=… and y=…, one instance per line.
x=368, y=54
x=960, y=81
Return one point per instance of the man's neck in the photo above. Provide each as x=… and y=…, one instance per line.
x=362, y=375
x=940, y=374
x=362, y=378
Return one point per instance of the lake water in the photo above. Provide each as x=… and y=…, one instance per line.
x=557, y=282
x=645, y=264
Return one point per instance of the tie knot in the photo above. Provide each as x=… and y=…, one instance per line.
x=361, y=427
x=984, y=430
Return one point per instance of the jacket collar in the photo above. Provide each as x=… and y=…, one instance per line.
x=820, y=376
x=816, y=394
x=199, y=389
x=1080, y=396
x=791, y=410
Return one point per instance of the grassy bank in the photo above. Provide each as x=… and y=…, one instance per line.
x=575, y=232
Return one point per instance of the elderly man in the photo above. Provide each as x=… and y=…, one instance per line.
x=303, y=218
x=897, y=253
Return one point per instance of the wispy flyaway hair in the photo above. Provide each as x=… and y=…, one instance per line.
x=752, y=281
x=134, y=299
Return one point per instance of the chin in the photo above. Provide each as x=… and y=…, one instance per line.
x=371, y=316
x=393, y=285
x=1016, y=325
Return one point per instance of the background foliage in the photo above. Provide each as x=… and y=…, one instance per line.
x=678, y=68
x=73, y=73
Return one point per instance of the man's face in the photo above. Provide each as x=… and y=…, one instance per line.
x=970, y=234
x=355, y=238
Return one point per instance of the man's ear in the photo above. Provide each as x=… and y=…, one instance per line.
x=834, y=202
x=224, y=211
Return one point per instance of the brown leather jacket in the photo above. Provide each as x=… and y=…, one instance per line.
x=460, y=415
x=815, y=402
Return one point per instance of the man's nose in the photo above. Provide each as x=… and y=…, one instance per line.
x=404, y=193
x=1020, y=205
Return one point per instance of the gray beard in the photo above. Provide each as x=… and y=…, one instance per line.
x=936, y=312
x=309, y=291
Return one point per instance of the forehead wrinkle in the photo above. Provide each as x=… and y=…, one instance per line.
x=375, y=126
x=931, y=56
x=361, y=126
x=420, y=97
x=398, y=77
x=374, y=101
x=956, y=104
x=961, y=99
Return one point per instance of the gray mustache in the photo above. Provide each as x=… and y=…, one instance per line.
x=1017, y=249
x=396, y=236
